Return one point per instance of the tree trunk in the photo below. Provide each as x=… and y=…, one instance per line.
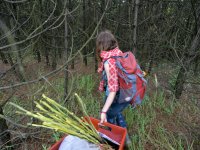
x=54, y=58
x=84, y=29
x=66, y=58
x=54, y=53
x=130, y=7
x=151, y=61
x=70, y=33
x=4, y=134
x=135, y=25
x=19, y=71
x=37, y=53
x=10, y=60
x=103, y=23
x=182, y=75
x=3, y=58
x=60, y=53
x=196, y=65
x=47, y=56
x=95, y=55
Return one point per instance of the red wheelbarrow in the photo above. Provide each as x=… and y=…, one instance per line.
x=114, y=132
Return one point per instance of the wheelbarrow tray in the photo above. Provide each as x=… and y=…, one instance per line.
x=117, y=133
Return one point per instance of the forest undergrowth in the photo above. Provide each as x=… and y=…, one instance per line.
x=161, y=122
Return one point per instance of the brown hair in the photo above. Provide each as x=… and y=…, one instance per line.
x=105, y=41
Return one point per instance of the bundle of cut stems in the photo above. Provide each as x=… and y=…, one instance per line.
x=56, y=117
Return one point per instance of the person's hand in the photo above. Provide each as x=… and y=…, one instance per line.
x=103, y=117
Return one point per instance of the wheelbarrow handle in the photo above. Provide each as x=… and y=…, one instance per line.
x=104, y=127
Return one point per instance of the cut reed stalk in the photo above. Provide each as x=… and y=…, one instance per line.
x=56, y=117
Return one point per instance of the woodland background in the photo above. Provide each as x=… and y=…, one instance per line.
x=48, y=46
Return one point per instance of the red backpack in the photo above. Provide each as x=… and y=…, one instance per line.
x=132, y=85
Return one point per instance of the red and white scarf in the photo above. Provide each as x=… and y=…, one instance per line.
x=105, y=55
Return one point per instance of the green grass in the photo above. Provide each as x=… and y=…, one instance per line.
x=149, y=125
x=159, y=123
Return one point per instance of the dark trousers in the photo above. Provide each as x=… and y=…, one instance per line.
x=114, y=114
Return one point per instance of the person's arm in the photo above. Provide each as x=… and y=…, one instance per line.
x=109, y=99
